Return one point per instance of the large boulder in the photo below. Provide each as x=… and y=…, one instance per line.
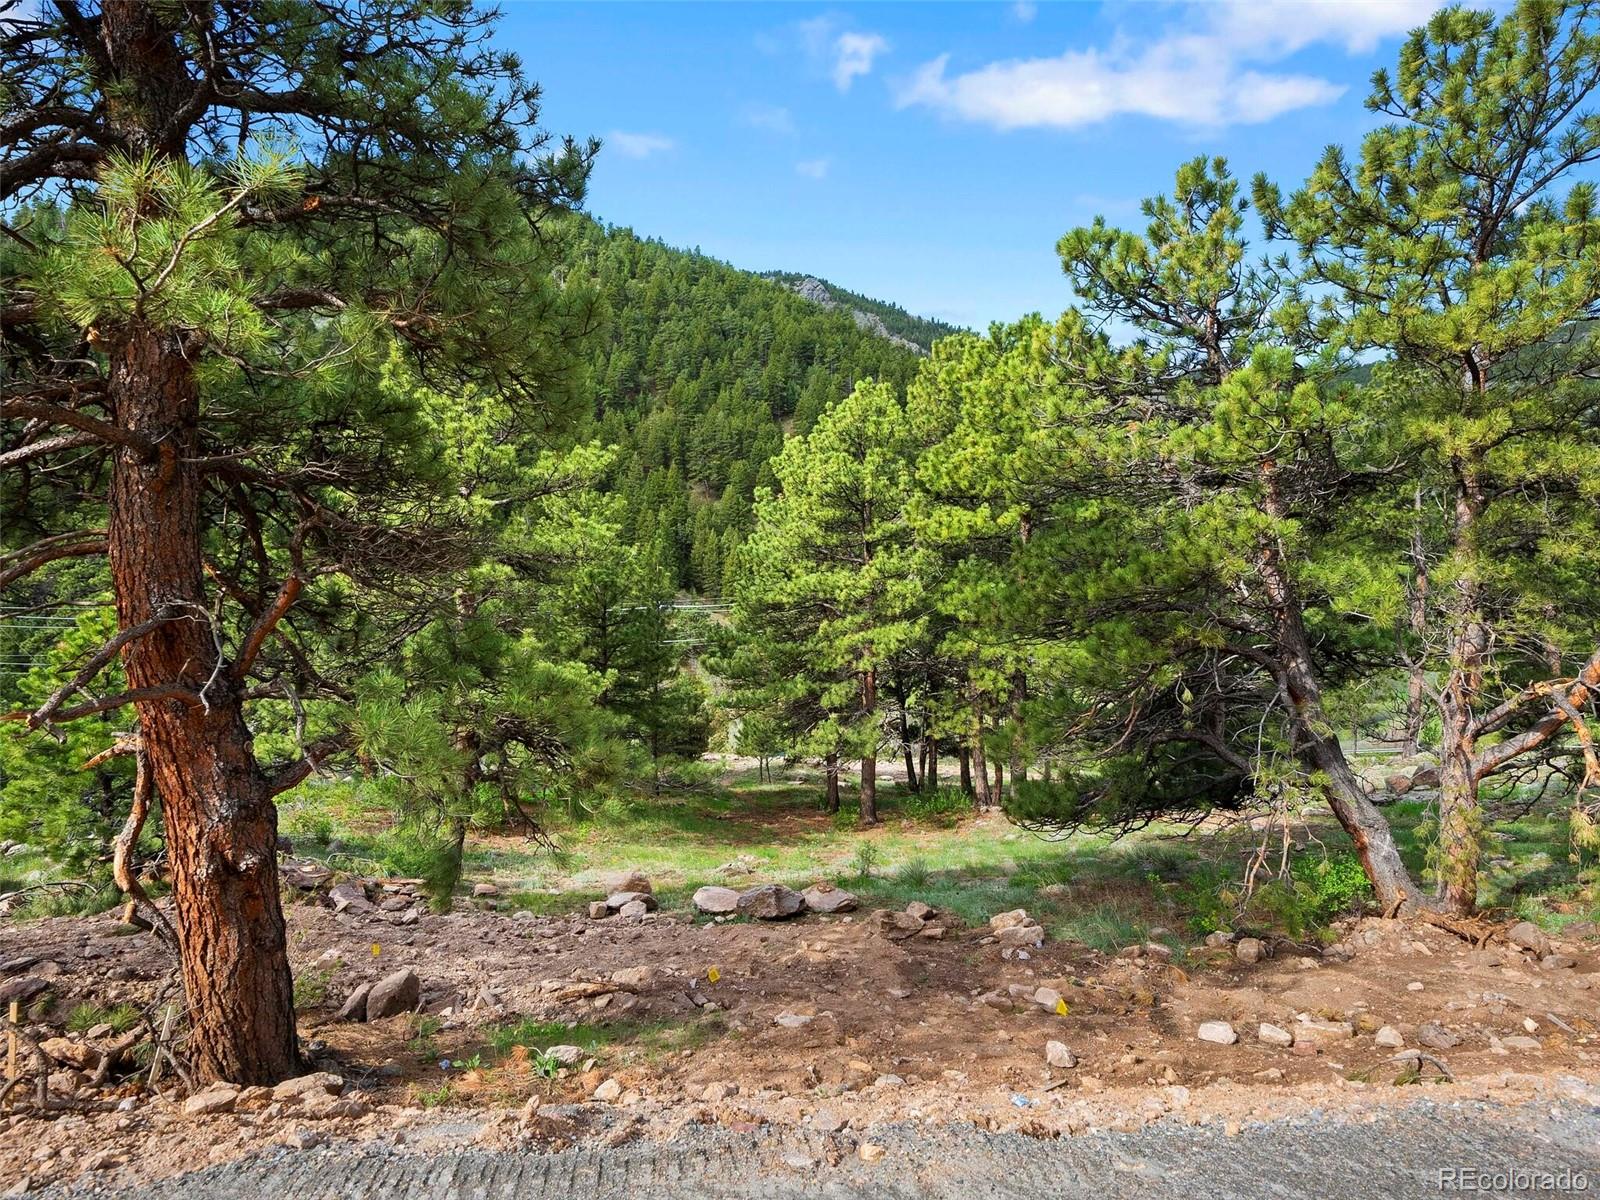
x=625, y=881
x=394, y=994
x=716, y=900
x=825, y=898
x=771, y=902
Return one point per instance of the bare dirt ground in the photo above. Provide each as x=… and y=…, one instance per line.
x=828, y=1026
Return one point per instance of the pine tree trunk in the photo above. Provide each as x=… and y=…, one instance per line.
x=1418, y=619
x=216, y=802
x=869, y=759
x=980, y=768
x=832, y=793
x=964, y=757
x=1316, y=742
x=998, y=795
x=1460, y=821
x=1019, y=693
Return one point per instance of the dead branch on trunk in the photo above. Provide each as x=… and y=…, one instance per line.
x=127, y=842
x=97, y=663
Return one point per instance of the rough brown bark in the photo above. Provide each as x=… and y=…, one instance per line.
x=832, y=793
x=216, y=801
x=964, y=756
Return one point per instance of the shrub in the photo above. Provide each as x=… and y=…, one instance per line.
x=943, y=807
x=866, y=857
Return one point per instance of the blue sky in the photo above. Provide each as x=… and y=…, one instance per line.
x=932, y=153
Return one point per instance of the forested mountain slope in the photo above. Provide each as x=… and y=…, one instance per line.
x=699, y=373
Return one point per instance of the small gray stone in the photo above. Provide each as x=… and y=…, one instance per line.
x=1389, y=1037
x=320, y=1082
x=1250, y=950
x=1219, y=1032
x=1437, y=1037
x=1274, y=1035
x=1527, y=936
x=633, y=909
x=619, y=900
x=1016, y=936
x=351, y=897
x=598, y=910
x=1057, y=1055
x=218, y=1098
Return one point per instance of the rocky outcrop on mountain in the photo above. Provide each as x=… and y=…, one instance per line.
x=813, y=289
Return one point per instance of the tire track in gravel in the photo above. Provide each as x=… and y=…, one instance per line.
x=1392, y=1154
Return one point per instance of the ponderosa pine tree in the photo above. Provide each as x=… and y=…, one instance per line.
x=1182, y=494
x=1464, y=246
x=221, y=220
x=833, y=552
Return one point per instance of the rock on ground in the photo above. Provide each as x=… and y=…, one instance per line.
x=355, y=1008
x=825, y=898
x=771, y=902
x=1525, y=935
x=1219, y=1032
x=394, y=994
x=716, y=900
x=1057, y=1055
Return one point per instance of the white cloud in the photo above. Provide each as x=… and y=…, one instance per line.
x=852, y=56
x=771, y=117
x=1204, y=73
x=638, y=145
x=812, y=168
x=845, y=54
x=1024, y=11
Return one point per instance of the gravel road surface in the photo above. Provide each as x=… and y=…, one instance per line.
x=1392, y=1154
